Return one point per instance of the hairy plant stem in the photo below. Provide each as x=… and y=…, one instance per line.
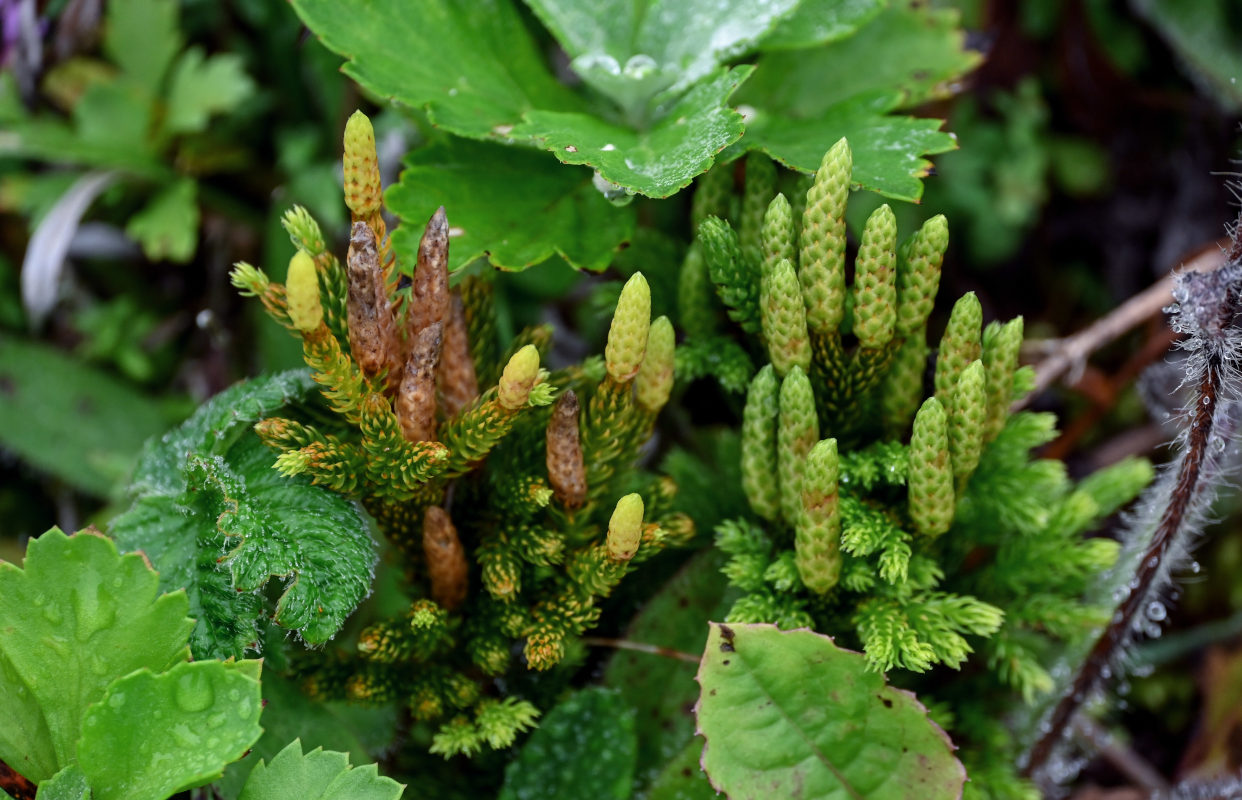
x=1175, y=515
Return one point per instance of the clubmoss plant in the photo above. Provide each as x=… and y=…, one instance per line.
x=507, y=489
x=906, y=520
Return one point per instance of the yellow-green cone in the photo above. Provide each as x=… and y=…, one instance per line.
x=519, y=378
x=362, y=178
x=918, y=274
x=625, y=528
x=959, y=346
x=302, y=293
x=821, y=262
x=796, y=433
x=875, y=280
x=759, y=421
x=778, y=237
x=713, y=195
x=655, y=376
x=784, y=319
x=696, y=305
x=627, y=337
x=817, y=540
x=1000, y=361
x=967, y=418
x=902, y=390
x=756, y=195
x=930, y=479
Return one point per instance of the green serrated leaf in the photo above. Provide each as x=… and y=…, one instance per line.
x=113, y=116
x=142, y=38
x=214, y=517
x=201, y=86
x=805, y=100
x=662, y=690
x=289, y=715
x=167, y=228
x=888, y=154
x=910, y=49
x=632, y=51
x=516, y=206
x=73, y=421
x=816, y=22
x=87, y=616
x=660, y=160
x=317, y=775
x=151, y=736
x=585, y=741
x=487, y=71
x=68, y=784
x=787, y=712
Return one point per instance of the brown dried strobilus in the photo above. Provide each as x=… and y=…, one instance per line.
x=446, y=561
x=566, y=472
x=369, y=313
x=429, y=296
x=416, y=395
x=456, y=377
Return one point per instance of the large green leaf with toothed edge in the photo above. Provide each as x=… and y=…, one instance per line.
x=790, y=713
x=216, y=519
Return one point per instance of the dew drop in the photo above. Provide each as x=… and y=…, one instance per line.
x=1106, y=672
x=117, y=700
x=193, y=691
x=1194, y=567
x=1156, y=611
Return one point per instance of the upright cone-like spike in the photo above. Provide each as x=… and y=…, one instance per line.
x=779, y=236
x=429, y=295
x=302, y=293
x=455, y=376
x=566, y=471
x=797, y=432
x=625, y=528
x=713, y=193
x=875, y=280
x=930, y=478
x=757, y=193
x=821, y=263
x=368, y=308
x=655, y=376
x=362, y=179
x=416, y=395
x=967, y=418
x=519, y=378
x=446, y=561
x=759, y=420
x=959, y=346
x=627, y=337
x=696, y=307
x=784, y=319
x=1000, y=361
x=918, y=275
x=817, y=540
x=902, y=390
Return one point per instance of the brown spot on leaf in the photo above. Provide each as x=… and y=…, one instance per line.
x=726, y=646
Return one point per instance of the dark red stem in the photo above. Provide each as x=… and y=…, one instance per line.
x=1174, y=517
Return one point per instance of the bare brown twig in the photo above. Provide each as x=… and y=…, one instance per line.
x=1071, y=353
x=641, y=647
